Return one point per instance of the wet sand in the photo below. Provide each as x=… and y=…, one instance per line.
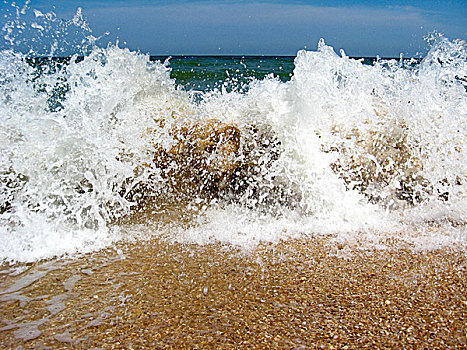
x=301, y=294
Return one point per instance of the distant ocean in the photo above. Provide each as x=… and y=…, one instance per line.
x=209, y=73
x=205, y=73
x=114, y=144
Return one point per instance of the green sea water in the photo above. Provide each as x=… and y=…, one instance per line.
x=204, y=73
x=207, y=73
x=194, y=73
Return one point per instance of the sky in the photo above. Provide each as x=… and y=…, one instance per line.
x=256, y=27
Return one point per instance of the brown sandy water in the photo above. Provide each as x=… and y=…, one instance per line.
x=297, y=294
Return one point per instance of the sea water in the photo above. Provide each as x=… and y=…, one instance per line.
x=329, y=145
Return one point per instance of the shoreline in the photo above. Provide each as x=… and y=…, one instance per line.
x=297, y=294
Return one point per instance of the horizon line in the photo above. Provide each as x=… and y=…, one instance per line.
x=234, y=56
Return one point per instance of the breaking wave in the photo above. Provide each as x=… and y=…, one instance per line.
x=96, y=148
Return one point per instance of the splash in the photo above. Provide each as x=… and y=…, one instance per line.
x=44, y=34
x=95, y=144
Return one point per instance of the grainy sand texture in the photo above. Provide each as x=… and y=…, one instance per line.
x=298, y=294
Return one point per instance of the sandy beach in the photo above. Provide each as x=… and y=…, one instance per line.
x=301, y=294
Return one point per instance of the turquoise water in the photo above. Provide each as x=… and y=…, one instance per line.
x=197, y=73
x=231, y=72
x=204, y=73
x=191, y=73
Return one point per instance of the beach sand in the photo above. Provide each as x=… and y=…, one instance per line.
x=297, y=294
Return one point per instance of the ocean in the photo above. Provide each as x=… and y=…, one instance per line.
x=113, y=145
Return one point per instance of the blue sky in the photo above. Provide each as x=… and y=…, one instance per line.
x=264, y=27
